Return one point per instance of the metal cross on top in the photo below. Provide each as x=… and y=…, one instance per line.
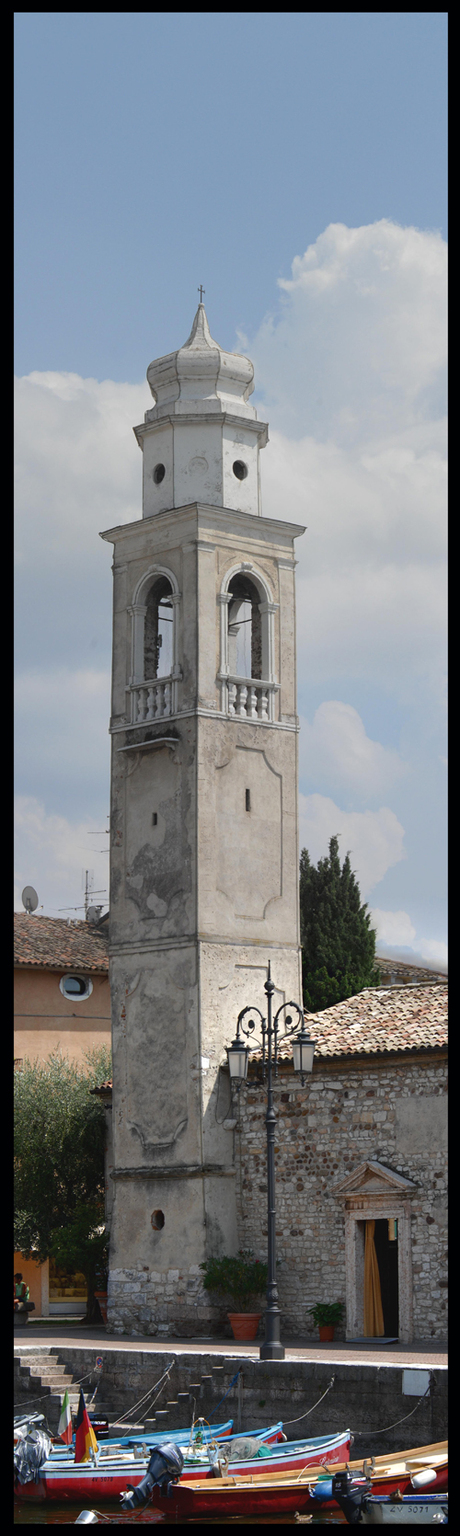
x=201, y=291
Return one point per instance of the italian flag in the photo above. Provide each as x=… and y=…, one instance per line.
x=65, y=1422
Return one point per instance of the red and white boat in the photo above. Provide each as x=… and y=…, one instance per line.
x=281, y=1493
x=110, y=1473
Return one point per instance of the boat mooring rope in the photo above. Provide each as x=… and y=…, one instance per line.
x=315, y=1405
x=222, y=1400
x=369, y=1433
x=45, y=1397
x=142, y=1400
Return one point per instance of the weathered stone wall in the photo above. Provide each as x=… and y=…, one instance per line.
x=368, y=1399
x=394, y=1114
x=170, y=1302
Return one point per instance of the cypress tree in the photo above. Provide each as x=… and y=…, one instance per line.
x=338, y=943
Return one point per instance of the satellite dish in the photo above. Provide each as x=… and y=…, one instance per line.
x=29, y=898
x=93, y=914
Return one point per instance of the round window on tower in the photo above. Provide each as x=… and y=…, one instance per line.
x=240, y=469
x=157, y=1220
x=159, y=473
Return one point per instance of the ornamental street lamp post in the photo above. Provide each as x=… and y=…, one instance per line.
x=238, y=1057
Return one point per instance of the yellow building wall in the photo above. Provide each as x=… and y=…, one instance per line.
x=36, y=1276
x=44, y=1020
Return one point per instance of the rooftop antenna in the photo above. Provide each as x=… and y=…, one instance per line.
x=29, y=898
x=93, y=914
x=87, y=880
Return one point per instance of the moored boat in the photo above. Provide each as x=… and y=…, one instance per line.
x=108, y=1474
x=278, y=1493
x=201, y=1429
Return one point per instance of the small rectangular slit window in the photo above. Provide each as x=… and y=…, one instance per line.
x=248, y=799
x=154, y=819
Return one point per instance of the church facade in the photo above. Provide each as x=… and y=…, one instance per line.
x=204, y=794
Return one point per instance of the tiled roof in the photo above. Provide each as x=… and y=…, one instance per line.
x=378, y=1020
x=403, y=972
x=51, y=943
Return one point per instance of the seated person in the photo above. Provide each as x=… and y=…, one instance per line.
x=21, y=1294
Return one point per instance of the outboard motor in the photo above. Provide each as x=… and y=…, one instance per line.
x=165, y=1467
x=29, y=1455
x=350, y=1493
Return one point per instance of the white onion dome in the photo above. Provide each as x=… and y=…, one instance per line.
x=201, y=377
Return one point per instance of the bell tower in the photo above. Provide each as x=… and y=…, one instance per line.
x=204, y=842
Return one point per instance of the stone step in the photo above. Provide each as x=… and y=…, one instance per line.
x=60, y=1384
x=26, y=1363
x=33, y=1350
x=35, y=1373
x=122, y=1430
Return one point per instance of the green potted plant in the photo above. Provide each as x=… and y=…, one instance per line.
x=327, y=1314
x=242, y=1281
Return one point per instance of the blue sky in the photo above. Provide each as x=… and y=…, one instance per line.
x=296, y=166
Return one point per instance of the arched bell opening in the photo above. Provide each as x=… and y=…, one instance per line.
x=158, y=631
x=244, y=629
x=155, y=645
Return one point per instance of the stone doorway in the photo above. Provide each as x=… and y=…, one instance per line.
x=386, y=1247
x=374, y=1193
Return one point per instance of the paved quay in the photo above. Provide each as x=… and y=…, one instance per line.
x=427, y=1352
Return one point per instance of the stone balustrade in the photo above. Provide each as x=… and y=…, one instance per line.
x=249, y=698
x=152, y=700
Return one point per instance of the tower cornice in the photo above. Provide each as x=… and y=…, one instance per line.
x=257, y=527
x=190, y=417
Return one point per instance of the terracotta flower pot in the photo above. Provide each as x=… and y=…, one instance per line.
x=244, y=1324
x=101, y=1297
x=326, y=1332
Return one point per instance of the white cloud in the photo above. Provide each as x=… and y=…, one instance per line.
x=77, y=461
x=433, y=949
x=359, y=348
x=353, y=372
x=374, y=839
x=336, y=752
x=393, y=927
x=52, y=852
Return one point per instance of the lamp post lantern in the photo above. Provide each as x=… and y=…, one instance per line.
x=238, y=1058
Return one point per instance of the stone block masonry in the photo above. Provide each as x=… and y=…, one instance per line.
x=393, y=1113
x=365, y=1398
x=157, y=1302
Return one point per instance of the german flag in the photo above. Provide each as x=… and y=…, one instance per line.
x=85, y=1439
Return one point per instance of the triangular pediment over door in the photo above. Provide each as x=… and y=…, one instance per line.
x=374, y=1179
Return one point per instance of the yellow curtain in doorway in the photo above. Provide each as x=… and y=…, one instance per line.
x=374, y=1327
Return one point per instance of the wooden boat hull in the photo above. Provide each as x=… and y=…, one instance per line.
x=280, y=1494
x=62, y=1480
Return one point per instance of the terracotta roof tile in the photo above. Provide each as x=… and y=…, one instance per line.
x=51, y=943
x=379, y=1020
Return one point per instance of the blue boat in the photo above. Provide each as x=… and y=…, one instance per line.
x=201, y=1435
